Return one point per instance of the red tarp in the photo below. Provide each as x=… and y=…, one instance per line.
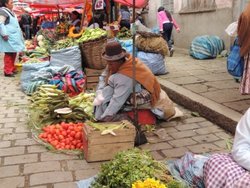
x=53, y=3
x=138, y=3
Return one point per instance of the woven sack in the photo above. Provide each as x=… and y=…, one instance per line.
x=152, y=44
x=91, y=52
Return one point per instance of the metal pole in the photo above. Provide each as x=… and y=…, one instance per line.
x=134, y=71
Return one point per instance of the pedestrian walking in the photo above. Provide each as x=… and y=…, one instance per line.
x=244, y=42
x=11, y=39
x=166, y=23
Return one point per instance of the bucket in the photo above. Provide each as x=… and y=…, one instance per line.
x=19, y=67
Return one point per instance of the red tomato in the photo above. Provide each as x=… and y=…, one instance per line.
x=74, y=142
x=61, y=137
x=64, y=133
x=72, y=133
x=67, y=146
x=72, y=147
x=78, y=135
x=79, y=145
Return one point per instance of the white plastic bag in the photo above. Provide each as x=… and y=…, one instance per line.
x=231, y=30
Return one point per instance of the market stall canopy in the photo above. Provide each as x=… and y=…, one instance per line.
x=138, y=3
x=53, y=3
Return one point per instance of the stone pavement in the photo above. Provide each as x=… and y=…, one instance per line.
x=26, y=163
x=204, y=86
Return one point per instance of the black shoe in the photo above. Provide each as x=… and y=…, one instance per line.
x=9, y=75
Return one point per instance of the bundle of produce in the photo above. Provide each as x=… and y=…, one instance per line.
x=63, y=136
x=29, y=44
x=62, y=28
x=48, y=34
x=63, y=43
x=108, y=128
x=45, y=101
x=124, y=33
x=38, y=52
x=91, y=35
x=84, y=102
x=131, y=166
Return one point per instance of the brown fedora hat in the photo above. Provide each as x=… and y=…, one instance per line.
x=113, y=51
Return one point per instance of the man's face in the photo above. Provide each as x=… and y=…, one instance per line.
x=114, y=66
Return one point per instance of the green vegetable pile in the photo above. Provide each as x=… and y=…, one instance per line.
x=129, y=166
x=124, y=33
x=64, y=43
x=92, y=34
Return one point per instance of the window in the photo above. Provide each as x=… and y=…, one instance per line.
x=195, y=6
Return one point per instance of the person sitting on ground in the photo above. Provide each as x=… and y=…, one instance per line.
x=231, y=169
x=115, y=87
x=166, y=23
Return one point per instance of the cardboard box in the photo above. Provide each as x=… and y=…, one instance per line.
x=99, y=147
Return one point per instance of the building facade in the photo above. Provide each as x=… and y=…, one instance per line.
x=199, y=17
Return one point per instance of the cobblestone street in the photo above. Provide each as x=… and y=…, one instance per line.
x=26, y=163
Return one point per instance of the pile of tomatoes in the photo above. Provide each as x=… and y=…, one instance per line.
x=63, y=135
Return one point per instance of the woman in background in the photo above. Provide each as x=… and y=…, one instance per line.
x=166, y=23
x=124, y=17
x=76, y=20
x=11, y=39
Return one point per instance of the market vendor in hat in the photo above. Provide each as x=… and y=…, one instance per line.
x=115, y=87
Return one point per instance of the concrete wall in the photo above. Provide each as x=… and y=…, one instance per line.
x=206, y=23
x=196, y=24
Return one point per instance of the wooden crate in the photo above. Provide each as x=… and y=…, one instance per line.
x=99, y=147
x=92, y=78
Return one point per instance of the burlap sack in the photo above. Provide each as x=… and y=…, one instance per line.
x=166, y=105
x=154, y=44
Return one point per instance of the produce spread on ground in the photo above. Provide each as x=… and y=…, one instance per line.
x=61, y=106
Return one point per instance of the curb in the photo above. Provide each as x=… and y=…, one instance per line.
x=223, y=116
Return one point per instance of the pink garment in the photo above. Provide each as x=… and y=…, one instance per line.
x=221, y=171
x=162, y=18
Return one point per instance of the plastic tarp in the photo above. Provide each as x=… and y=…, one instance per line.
x=206, y=47
x=67, y=56
x=29, y=71
x=54, y=3
x=138, y=3
x=154, y=61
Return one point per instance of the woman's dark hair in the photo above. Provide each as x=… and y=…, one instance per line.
x=161, y=9
x=169, y=15
x=3, y=3
x=124, y=7
x=78, y=15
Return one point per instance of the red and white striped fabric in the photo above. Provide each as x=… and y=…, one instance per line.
x=221, y=171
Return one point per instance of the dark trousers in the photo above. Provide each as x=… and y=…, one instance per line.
x=125, y=23
x=167, y=32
